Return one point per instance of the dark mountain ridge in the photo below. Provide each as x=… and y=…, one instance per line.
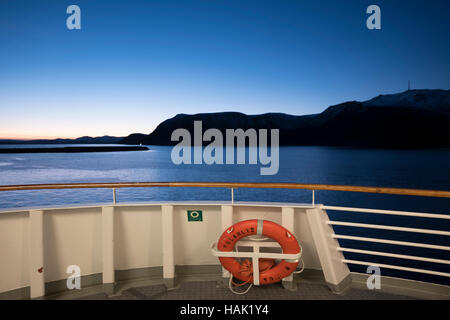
x=81, y=140
x=411, y=119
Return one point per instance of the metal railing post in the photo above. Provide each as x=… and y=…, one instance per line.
x=114, y=195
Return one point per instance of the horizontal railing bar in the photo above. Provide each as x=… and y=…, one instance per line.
x=261, y=244
x=266, y=185
x=390, y=266
x=383, y=227
x=254, y=254
x=267, y=255
x=395, y=242
x=392, y=212
x=394, y=255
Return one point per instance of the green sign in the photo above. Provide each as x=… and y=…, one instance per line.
x=194, y=215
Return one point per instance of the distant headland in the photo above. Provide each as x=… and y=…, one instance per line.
x=410, y=119
x=74, y=149
x=81, y=140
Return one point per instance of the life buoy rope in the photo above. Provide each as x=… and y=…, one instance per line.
x=269, y=272
x=247, y=267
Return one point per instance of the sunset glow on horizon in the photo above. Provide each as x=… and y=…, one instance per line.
x=30, y=137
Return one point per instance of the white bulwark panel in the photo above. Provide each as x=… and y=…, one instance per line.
x=336, y=272
x=37, y=284
x=227, y=221
x=287, y=218
x=167, y=242
x=108, y=244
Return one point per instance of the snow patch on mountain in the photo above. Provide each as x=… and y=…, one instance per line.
x=429, y=99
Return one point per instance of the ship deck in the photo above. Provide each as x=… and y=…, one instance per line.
x=212, y=290
x=308, y=286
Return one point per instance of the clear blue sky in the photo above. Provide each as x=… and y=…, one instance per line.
x=136, y=63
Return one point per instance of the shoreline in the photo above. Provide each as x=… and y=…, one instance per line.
x=74, y=149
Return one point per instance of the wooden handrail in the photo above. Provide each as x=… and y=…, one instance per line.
x=257, y=185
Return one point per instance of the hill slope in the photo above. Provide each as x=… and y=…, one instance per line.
x=411, y=119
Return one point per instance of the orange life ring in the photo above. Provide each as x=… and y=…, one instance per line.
x=270, y=229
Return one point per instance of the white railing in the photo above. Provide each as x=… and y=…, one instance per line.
x=392, y=242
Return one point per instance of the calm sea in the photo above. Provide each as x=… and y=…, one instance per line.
x=422, y=169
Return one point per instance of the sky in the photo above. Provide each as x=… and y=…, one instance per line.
x=134, y=64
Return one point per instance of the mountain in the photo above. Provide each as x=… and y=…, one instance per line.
x=438, y=100
x=81, y=140
x=411, y=119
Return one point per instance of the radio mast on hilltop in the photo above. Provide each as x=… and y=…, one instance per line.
x=409, y=85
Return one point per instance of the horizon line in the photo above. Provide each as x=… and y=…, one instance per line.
x=31, y=138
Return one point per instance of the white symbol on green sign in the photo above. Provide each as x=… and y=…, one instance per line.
x=194, y=215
